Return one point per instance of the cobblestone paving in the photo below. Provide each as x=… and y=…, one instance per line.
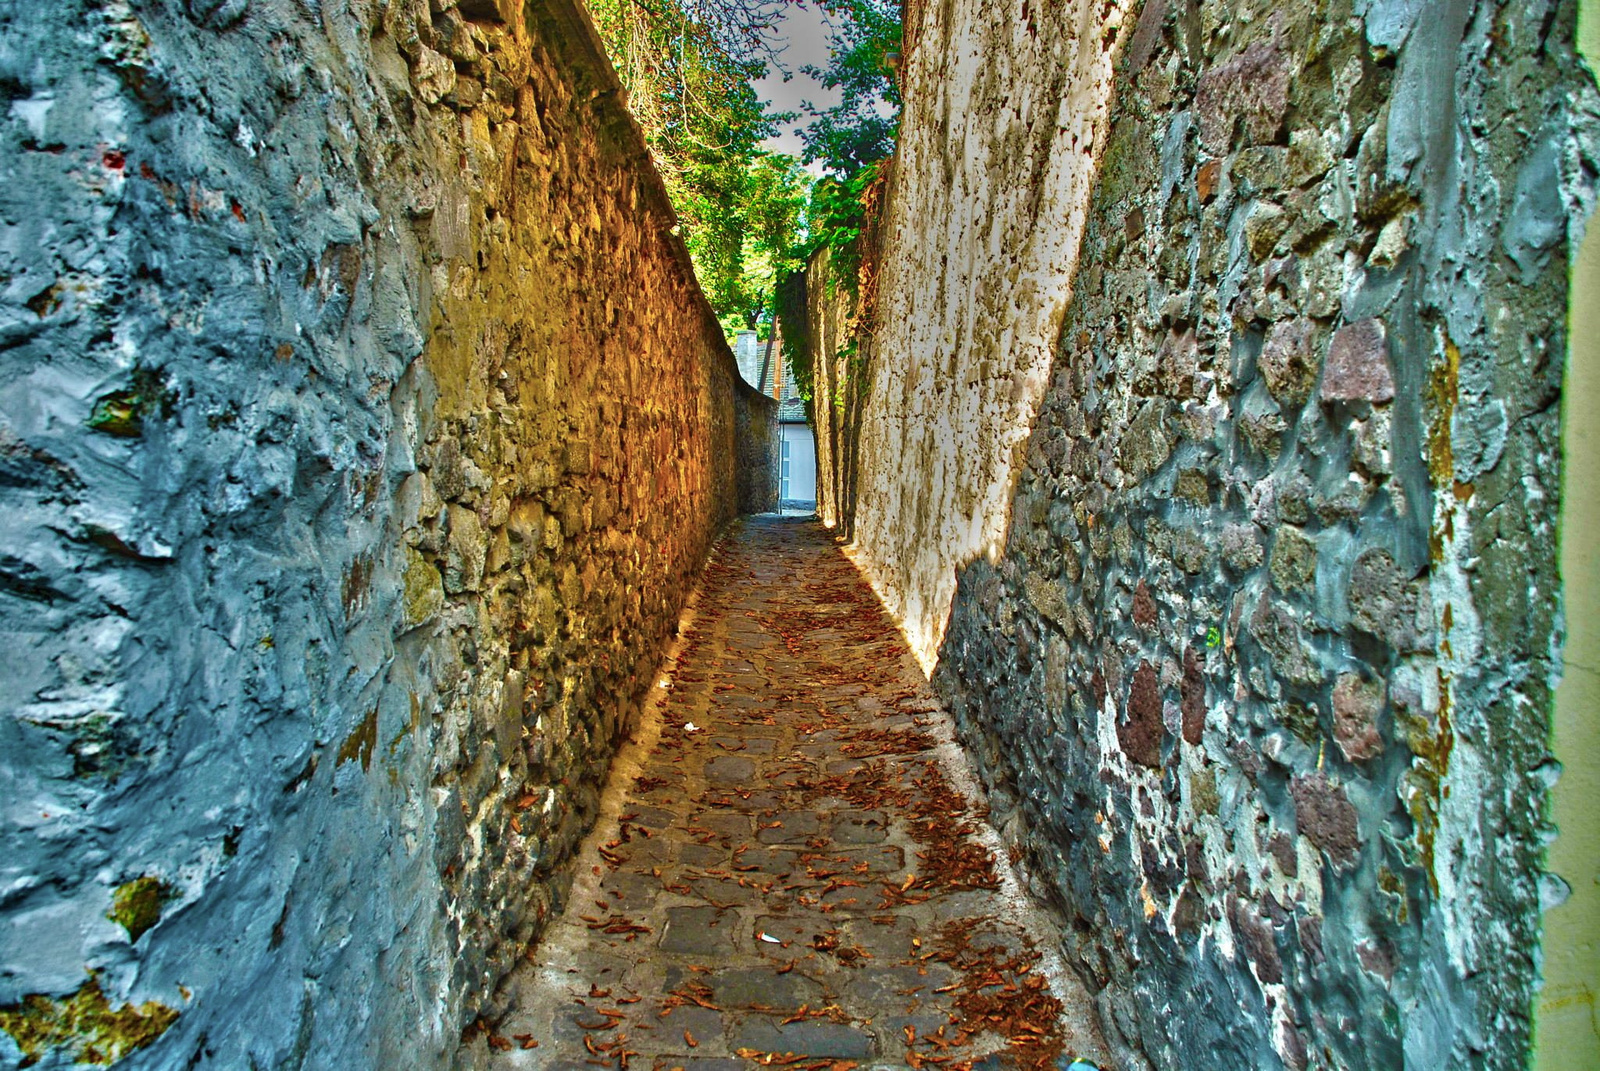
x=795, y=881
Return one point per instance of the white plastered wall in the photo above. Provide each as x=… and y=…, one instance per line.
x=997, y=155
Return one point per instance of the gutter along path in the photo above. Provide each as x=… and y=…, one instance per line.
x=798, y=881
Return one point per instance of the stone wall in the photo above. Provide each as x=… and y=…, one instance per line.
x=759, y=444
x=361, y=430
x=1004, y=116
x=817, y=308
x=1262, y=678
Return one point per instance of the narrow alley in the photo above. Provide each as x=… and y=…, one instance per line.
x=787, y=869
x=406, y=663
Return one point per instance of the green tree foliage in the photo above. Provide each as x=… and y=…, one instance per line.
x=860, y=130
x=851, y=139
x=750, y=216
x=835, y=217
x=744, y=234
x=688, y=66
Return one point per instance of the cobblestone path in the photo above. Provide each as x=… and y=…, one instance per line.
x=785, y=873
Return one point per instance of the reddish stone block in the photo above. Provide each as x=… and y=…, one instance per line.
x=1194, y=697
x=1281, y=846
x=1252, y=89
x=1140, y=732
x=1355, y=717
x=1357, y=368
x=1326, y=816
x=1256, y=936
x=1144, y=606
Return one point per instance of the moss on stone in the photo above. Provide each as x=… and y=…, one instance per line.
x=424, y=589
x=84, y=1024
x=121, y=413
x=1293, y=565
x=118, y=414
x=136, y=905
x=360, y=742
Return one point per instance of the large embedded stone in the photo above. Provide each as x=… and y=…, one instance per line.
x=1357, y=368
x=1255, y=934
x=762, y=987
x=423, y=590
x=809, y=1037
x=860, y=827
x=447, y=473
x=1194, y=697
x=1326, y=817
x=1384, y=602
x=1287, y=362
x=466, y=552
x=1266, y=224
x=1248, y=93
x=1203, y=795
x=1177, y=361
x=1193, y=486
x=699, y=931
x=1277, y=632
x=1144, y=606
x=1141, y=729
x=1294, y=560
x=1147, y=443
x=1241, y=547
x=433, y=74
x=1281, y=847
x=1356, y=703
x=729, y=770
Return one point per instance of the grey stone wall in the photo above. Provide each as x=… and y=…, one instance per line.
x=361, y=430
x=1261, y=679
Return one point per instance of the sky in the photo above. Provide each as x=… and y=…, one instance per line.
x=803, y=36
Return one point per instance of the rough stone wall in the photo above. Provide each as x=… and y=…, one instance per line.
x=1004, y=117
x=1262, y=679
x=758, y=440
x=361, y=428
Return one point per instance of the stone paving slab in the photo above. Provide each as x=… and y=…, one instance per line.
x=794, y=882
